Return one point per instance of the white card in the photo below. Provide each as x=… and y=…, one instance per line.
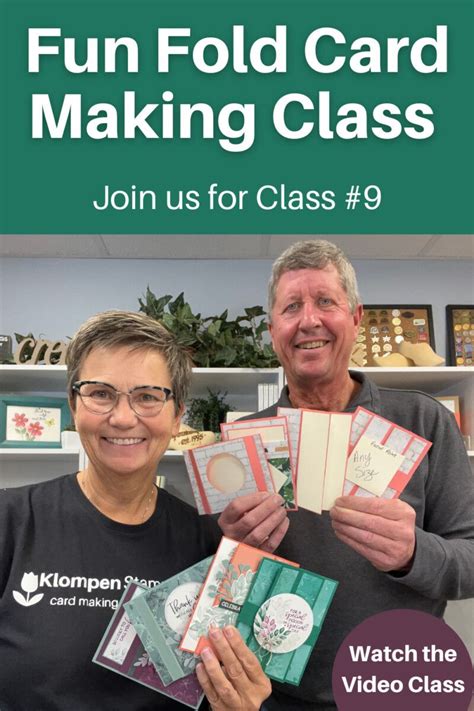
x=372, y=465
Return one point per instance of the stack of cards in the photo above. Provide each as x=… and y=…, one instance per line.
x=122, y=651
x=156, y=634
x=309, y=457
x=160, y=617
x=275, y=438
x=282, y=617
x=224, y=591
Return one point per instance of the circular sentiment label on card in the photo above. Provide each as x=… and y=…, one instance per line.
x=179, y=605
x=283, y=623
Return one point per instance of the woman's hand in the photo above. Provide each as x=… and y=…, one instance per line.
x=239, y=684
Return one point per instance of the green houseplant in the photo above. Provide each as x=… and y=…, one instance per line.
x=206, y=413
x=214, y=341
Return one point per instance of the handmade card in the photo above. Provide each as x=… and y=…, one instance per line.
x=293, y=418
x=282, y=617
x=322, y=454
x=122, y=651
x=407, y=448
x=220, y=472
x=160, y=617
x=372, y=465
x=224, y=590
x=275, y=438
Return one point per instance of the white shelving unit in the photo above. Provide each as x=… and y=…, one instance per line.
x=20, y=466
x=23, y=466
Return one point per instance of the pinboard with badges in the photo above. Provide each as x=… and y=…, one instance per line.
x=460, y=334
x=384, y=328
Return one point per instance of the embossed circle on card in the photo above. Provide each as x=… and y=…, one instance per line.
x=396, y=321
x=395, y=312
x=225, y=473
x=179, y=605
x=283, y=623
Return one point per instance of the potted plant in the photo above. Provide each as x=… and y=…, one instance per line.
x=207, y=413
x=214, y=341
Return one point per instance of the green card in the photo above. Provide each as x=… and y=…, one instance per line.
x=160, y=617
x=282, y=617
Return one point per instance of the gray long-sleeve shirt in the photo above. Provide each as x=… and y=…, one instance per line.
x=442, y=493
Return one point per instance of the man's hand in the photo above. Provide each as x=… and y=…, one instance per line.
x=239, y=684
x=257, y=519
x=381, y=530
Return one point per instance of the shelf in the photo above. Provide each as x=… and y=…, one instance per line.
x=18, y=454
x=430, y=380
x=33, y=378
x=52, y=378
x=171, y=454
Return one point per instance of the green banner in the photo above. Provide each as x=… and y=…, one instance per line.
x=213, y=117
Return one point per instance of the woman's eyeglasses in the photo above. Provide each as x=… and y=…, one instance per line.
x=101, y=398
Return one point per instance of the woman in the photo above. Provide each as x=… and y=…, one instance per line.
x=71, y=545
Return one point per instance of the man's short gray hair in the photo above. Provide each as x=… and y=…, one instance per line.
x=115, y=329
x=314, y=254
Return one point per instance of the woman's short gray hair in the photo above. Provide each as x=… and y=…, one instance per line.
x=314, y=254
x=114, y=329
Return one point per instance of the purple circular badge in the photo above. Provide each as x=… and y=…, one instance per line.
x=402, y=660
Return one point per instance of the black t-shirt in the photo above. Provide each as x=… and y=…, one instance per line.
x=63, y=568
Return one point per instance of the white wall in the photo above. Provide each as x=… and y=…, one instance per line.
x=52, y=297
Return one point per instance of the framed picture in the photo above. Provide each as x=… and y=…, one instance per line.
x=385, y=326
x=460, y=334
x=32, y=421
x=451, y=402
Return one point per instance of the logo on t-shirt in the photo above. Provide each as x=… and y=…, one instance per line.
x=59, y=589
x=29, y=585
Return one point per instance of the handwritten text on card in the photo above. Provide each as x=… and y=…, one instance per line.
x=372, y=465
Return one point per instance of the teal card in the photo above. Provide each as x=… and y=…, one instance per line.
x=122, y=651
x=282, y=617
x=160, y=617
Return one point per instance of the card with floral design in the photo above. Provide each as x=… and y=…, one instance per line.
x=122, y=651
x=224, y=590
x=282, y=617
x=160, y=617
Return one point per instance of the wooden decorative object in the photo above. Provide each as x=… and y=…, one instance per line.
x=47, y=352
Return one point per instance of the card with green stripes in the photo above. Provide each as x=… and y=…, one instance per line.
x=282, y=617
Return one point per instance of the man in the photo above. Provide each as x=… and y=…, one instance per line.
x=414, y=552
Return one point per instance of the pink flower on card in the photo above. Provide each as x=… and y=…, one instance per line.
x=35, y=429
x=19, y=420
x=268, y=626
